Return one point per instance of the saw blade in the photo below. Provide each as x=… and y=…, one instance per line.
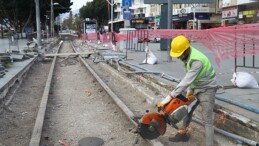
x=152, y=125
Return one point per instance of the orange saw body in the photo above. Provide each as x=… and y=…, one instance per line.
x=152, y=125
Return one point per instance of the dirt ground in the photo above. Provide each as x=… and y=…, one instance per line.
x=16, y=125
x=79, y=107
x=137, y=103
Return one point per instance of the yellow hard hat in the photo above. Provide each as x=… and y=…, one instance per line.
x=178, y=45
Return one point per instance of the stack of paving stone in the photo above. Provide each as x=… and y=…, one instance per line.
x=2, y=70
x=6, y=61
x=17, y=56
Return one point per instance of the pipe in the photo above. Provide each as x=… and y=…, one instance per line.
x=247, y=107
x=114, y=55
x=244, y=106
x=231, y=135
x=170, y=78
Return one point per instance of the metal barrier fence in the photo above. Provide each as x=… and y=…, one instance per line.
x=246, y=43
x=137, y=40
x=236, y=42
x=248, y=60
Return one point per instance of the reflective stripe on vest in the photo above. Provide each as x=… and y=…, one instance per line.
x=207, y=72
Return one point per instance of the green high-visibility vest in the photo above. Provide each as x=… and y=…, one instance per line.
x=207, y=72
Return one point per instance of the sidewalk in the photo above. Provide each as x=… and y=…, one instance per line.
x=240, y=118
x=176, y=69
x=15, y=73
x=248, y=98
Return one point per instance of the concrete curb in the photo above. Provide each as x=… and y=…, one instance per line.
x=239, y=124
x=17, y=78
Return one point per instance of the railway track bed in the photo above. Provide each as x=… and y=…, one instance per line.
x=79, y=106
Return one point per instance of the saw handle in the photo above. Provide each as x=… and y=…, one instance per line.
x=163, y=105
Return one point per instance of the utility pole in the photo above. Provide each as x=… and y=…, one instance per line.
x=111, y=15
x=169, y=26
x=38, y=22
x=194, y=17
x=51, y=20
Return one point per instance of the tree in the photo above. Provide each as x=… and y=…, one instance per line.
x=68, y=23
x=77, y=23
x=72, y=22
x=97, y=9
x=17, y=14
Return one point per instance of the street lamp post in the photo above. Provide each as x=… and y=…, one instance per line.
x=59, y=19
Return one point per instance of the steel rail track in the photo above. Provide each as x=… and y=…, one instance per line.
x=129, y=114
x=37, y=130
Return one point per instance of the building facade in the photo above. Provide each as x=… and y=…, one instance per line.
x=196, y=16
x=193, y=16
x=239, y=12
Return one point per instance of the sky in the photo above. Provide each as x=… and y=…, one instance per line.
x=77, y=4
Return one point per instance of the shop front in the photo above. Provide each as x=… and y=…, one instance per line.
x=229, y=16
x=180, y=21
x=202, y=21
x=248, y=13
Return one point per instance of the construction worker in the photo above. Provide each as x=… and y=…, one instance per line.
x=200, y=81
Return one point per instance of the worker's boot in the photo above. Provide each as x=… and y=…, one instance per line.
x=180, y=137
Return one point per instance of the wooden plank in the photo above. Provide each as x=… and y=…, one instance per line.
x=68, y=54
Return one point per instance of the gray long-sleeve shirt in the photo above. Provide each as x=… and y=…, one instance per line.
x=196, y=67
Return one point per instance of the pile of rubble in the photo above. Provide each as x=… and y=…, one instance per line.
x=7, y=60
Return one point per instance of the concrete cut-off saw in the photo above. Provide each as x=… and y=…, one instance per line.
x=152, y=125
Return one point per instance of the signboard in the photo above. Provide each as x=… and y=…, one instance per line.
x=126, y=15
x=249, y=13
x=126, y=3
x=202, y=10
x=177, y=1
x=157, y=20
x=240, y=2
x=230, y=12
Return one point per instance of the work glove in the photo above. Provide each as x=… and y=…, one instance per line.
x=189, y=95
x=164, y=102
